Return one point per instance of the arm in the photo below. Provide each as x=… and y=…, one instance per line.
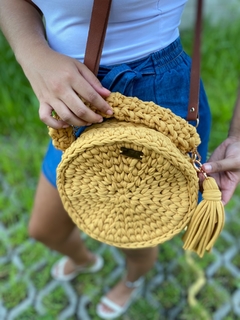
x=224, y=163
x=57, y=80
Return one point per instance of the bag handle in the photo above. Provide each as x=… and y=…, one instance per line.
x=96, y=35
x=193, y=104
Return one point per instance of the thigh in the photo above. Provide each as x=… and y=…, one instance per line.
x=49, y=218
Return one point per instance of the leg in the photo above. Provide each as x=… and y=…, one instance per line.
x=51, y=225
x=138, y=262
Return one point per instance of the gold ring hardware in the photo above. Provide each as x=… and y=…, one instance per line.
x=131, y=153
x=196, y=161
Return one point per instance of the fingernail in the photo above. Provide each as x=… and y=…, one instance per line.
x=109, y=112
x=207, y=167
x=66, y=126
x=100, y=120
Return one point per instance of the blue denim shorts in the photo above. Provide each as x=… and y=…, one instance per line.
x=162, y=77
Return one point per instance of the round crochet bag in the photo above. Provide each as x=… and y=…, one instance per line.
x=132, y=182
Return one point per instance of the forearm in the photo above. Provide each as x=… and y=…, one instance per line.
x=234, y=129
x=22, y=25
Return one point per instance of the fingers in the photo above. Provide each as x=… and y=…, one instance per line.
x=227, y=195
x=228, y=164
x=59, y=89
x=72, y=110
x=67, y=117
x=83, y=112
x=92, y=80
x=226, y=174
x=91, y=89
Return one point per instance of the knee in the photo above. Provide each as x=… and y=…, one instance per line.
x=51, y=235
x=41, y=233
x=36, y=232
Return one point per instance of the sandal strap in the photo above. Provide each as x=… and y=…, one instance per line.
x=57, y=270
x=134, y=284
x=112, y=305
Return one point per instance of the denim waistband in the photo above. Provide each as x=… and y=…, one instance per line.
x=118, y=77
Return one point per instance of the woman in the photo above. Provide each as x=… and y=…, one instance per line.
x=143, y=57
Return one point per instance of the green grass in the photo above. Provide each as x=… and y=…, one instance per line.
x=23, y=142
x=15, y=294
x=56, y=302
x=18, y=104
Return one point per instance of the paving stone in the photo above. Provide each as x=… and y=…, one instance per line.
x=164, y=273
x=236, y=302
x=24, y=305
x=73, y=302
x=222, y=312
x=82, y=308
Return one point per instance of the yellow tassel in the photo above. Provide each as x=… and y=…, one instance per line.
x=207, y=221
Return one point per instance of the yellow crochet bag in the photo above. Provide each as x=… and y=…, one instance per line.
x=132, y=181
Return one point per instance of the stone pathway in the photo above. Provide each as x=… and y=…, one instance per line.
x=181, y=286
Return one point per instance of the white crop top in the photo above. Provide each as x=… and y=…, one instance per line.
x=136, y=28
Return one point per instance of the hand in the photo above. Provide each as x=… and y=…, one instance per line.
x=224, y=166
x=58, y=81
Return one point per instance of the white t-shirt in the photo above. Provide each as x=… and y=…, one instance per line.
x=136, y=28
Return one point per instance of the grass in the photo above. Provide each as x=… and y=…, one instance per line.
x=23, y=141
x=15, y=294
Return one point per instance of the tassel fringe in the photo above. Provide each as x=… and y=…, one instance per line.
x=207, y=221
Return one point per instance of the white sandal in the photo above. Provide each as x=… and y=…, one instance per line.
x=57, y=271
x=116, y=309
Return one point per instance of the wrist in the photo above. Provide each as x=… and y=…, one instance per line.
x=35, y=51
x=234, y=133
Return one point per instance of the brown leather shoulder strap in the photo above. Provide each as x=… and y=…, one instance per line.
x=193, y=105
x=96, y=34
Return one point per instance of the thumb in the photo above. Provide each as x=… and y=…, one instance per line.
x=218, y=166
